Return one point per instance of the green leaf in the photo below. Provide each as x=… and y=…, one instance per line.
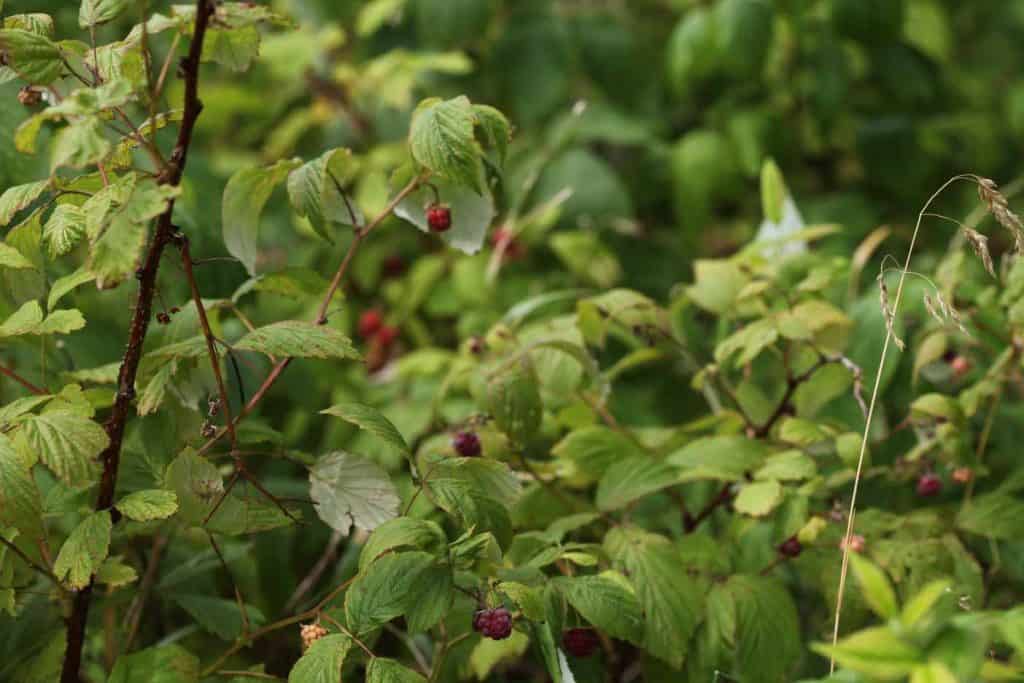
x=718, y=284
x=144, y=506
x=370, y=419
x=441, y=139
x=12, y=258
x=385, y=590
x=767, y=629
x=875, y=652
x=245, y=195
x=633, y=478
x=875, y=587
x=488, y=654
x=671, y=599
x=314, y=194
x=234, y=47
x=67, y=443
x=163, y=664
x=34, y=57
x=95, y=12
x=115, y=573
x=495, y=127
x=79, y=144
x=322, y=662
x=63, y=229
x=512, y=397
x=587, y=257
x=605, y=601
x=84, y=550
x=792, y=465
x=726, y=458
x=918, y=607
x=472, y=212
x=389, y=671
x=996, y=515
x=16, y=198
x=296, y=339
x=595, y=448
x=402, y=532
x=758, y=498
x=21, y=506
x=349, y=490
x=219, y=616
x=773, y=191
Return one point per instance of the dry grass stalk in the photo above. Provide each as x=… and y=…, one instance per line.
x=999, y=207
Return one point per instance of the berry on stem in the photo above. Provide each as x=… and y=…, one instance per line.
x=467, y=444
x=929, y=485
x=580, y=642
x=791, y=547
x=386, y=335
x=370, y=323
x=439, y=217
x=495, y=623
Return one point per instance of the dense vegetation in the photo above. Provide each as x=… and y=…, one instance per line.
x=511, y=340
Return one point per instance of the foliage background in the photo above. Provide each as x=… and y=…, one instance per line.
x=658, y=115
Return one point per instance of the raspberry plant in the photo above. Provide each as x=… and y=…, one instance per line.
x=253, y=425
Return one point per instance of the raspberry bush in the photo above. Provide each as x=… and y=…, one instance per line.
x=451, y=340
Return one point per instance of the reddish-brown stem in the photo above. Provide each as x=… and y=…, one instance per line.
x=211, y=344
x=723, y=496
x=309, y=582
x=8, y=372
x=111, y=455
x=321, y=316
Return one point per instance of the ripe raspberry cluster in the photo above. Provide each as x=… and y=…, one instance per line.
x=439, y=217
x=310, y=634
x=929, y=485
x=495, y=623
x=467, y=444
x=791, y=547
x=580, y=642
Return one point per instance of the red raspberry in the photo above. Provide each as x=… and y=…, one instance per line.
x=791, y=547
x=960, y=366
x=929, y=485
x=370, y=323
x=580, y=642
x=393, y=266
x=513, y=249
x=495, y=624
x=386, y=335
x=439, y=217
x=466, y=444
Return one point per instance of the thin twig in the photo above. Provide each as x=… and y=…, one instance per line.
x=4, y=370
x=35, y=566
x=309, y=582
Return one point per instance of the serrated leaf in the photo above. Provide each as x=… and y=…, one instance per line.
x=116, y=253
x=757, y=499
x=383, y=670
x=488, y=654
x=512, y=397
x=219, y=616
x=84, y=550
x=12, y=258
x=79, y=144
x=387, y=589
x=996, y=515
x=295, y=339
x=16, y=198
x=68, y=444
x=441, y=139
x=144, y=506
x=63, y=229
x=370, y=419
x=314, y=194
x=349, y=490
x=115, y=573
x=245, y=195
x=633, y=478
x=792, y=465
x=767, y=629
x=876, y=652
x=402, y=532
x=163, y=664
x=95, y=12
x=322, y=662
x=726, y=458
x=606, y=603
x=495, y=127
x=21, y=506
x=594, y=448
x=34, y=57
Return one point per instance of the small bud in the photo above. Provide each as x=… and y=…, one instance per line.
x=857, y=544
x=29, y=96
x=962, y=475
x=310, y=634
x=163, y=318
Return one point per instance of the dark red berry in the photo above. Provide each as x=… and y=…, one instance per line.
x=163, y=318
x=439, y=217
x=466, y=444
x=929, y=485
x=386, y=335
x=495, y=624
x=580, y=642
x=507, y=241
x=791, y=547
x=370, y=323
x=393, y=266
